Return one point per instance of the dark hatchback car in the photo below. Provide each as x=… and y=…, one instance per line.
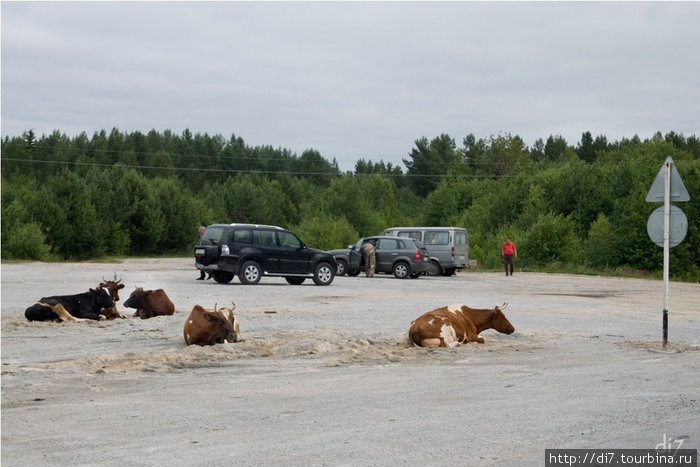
x=251, y=251
x=402, y=257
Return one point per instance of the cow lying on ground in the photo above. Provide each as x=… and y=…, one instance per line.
x=113, y=289
x=84, y=306
x=209, y=327
x=455, y=324
x=150, y=303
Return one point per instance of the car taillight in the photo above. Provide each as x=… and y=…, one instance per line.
x=453, y=252
x=416, y=255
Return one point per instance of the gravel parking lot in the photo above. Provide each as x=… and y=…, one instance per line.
x=325, y=375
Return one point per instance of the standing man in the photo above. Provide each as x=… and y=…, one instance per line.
x=368, y=254
x=510, y=252
x=201, y=230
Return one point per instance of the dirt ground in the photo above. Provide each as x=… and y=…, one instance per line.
x=325, y=375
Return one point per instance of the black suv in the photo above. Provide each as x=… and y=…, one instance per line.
x=251, y=251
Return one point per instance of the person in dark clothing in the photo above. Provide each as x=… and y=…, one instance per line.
x=201, y=271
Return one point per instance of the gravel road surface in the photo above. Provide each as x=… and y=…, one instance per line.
x=325, y=375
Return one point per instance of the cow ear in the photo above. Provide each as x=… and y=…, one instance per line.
x=209, y=317
x=121, y=286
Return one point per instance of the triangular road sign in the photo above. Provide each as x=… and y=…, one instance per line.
x=678, y=191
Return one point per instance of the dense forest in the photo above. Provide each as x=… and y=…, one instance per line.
x=565, y=205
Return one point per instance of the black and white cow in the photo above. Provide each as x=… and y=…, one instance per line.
x=70, y=307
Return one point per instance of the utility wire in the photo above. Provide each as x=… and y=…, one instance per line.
x=244, y=171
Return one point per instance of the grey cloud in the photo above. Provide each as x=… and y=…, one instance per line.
x=352, y=79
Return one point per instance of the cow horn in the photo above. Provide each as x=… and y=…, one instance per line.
x=215, y=307
x=118, y=281
x=233, y=306
x=503, y=307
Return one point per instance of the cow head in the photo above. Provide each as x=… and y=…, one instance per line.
x=102, y=298
x=136, y=297
x=499, y=322
x=228, y=315
x=209, y=327
x=112, y=287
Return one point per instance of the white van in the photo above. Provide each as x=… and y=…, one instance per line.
x=448, y=246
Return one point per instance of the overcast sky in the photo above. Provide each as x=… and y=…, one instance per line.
x=352, y=80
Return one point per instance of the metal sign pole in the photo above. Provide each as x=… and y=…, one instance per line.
x=661, y=190
x=667, y=237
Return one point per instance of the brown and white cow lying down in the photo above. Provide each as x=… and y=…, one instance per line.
x=455, y=324
x=208, y=327
x=150, y=303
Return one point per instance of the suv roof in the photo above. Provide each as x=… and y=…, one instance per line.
x=257, y=226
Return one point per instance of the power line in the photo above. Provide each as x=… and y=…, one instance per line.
x=289, y=158
x=242, y=171
x=152, y=167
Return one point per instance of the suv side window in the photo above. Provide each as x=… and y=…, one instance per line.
x=287, y=239
x=264, y=238
x=243, y=236
x=386, y=244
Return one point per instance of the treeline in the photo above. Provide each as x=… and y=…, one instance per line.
x=145, y=194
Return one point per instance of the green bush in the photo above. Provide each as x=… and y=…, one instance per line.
x=26, y=241
x=326, y=233
x=551, y=238
x=602, y=246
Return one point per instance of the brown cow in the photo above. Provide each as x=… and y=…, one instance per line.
x=113, y=289
x=455, y=324
x=209, y=327
x=150, y=303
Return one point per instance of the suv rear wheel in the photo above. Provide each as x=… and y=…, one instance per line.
x=401, y=270
x=324, y=274
x=250, y=273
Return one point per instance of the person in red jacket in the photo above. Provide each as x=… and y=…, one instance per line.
x=510, y=252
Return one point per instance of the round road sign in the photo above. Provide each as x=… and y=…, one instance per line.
x=678, y=226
